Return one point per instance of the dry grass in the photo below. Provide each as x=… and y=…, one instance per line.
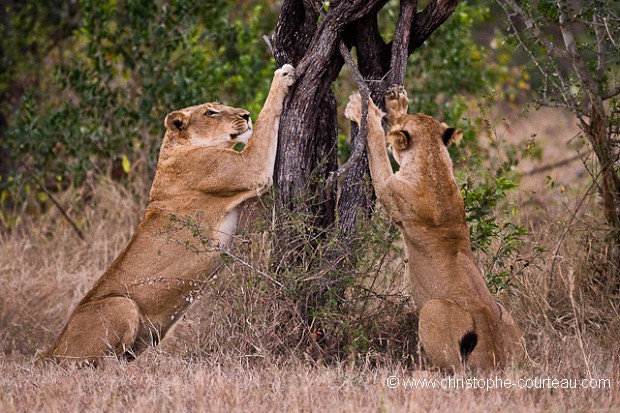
x=232, y=353
x=166, y=383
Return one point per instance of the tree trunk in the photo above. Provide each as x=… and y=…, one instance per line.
x=596, y=132
x=382, y=65
x=307, y=147
x=373, y=57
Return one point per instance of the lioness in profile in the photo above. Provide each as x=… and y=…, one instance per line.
x=460, y=323
x=159, y=273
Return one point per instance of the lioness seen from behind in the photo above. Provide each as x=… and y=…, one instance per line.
x=459, y=322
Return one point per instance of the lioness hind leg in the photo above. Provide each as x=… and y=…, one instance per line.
x=512, y=337
x=105, y=327
x=447, y=333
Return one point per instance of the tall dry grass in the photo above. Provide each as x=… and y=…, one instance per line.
x=245, y=345
x=46, y=269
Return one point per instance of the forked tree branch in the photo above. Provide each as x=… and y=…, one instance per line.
x=308, y=125
x=533, y=29
x=400, y=45
x=409, y=28
x=360, y=142
x=570, y=54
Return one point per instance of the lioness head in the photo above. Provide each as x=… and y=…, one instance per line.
x=208, y=125
x=411, y=136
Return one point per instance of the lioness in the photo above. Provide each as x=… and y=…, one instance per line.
x=460, y=323
x=192, y=214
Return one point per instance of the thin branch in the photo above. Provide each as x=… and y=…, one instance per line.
x=565, y=23
x=360, y=142
x=52, y=198
x=569, y=226
x=546, y=101
x=593, y=185
x=581, y=69
x=250, y=266
x=400, y=45
x=570, y=55
x=573, y=303
x=533, y=28
x=267, y=40
x=609, y=33
x=612, y=93
x=561, y=87
x=600, y=49
x=554, y=165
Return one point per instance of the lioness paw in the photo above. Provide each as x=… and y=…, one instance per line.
x=353, y=111
x=285, y=76
x=395, y=92
x=396, y=101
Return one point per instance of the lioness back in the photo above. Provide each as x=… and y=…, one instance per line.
x=192, y=214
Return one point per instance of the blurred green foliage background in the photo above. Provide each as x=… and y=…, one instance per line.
x=85, y=86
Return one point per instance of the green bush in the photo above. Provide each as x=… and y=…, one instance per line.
x=450, y=77
x=126, y=66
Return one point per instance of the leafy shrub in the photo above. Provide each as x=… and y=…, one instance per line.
x=126, y=66
x=449, y=71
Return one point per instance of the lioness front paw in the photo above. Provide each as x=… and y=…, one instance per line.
x=284, y=77
x=353, y=111
x=396, y=101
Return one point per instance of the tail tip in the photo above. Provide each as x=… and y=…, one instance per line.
x=467, y=344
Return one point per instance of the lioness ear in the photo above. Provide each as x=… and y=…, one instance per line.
x=177, y=121
x=400, y=140
x=452, y=135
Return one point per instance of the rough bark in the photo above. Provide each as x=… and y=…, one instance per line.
x=315, y=42
x=308, y=129
x=373, y=57
x=382, y=65
x=609, y=183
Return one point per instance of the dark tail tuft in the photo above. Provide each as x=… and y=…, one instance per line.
x=468, y=344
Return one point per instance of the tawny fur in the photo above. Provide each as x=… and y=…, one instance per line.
x=192, y=215
x=425, y=202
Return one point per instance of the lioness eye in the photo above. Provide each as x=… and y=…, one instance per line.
x=210, y=112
